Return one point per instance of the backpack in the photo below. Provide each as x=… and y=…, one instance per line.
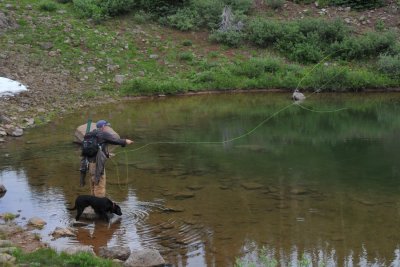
x=90, y=145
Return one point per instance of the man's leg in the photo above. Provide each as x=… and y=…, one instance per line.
x=98, y=190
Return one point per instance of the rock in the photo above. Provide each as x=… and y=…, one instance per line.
x=145, y=257
x=3, y=190
x=46, y=45
x=8, y=250
x=119, y=79
x=79, y=248
x=6, y=243
x=141, y=73
x=6, y=23
x=29, y=121
x=62, y=232
x=184, y=195
x=37, y=222
x=195, y=187
x=153, y=56
x=298, y=191
x=5, y=119
x=6, y=259
x=2, y=141
x=173, y=209
x=16, y=132
x=91, y=69
x=251, y=185
x=117, y=252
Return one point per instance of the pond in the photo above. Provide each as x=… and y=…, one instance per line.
x=215, y=179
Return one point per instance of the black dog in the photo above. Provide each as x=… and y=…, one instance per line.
x=101, y=206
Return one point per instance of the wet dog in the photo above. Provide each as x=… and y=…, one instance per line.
x=101, y=205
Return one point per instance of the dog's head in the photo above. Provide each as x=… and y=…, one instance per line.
x=116, y=209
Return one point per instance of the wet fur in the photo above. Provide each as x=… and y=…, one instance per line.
x=101, y=205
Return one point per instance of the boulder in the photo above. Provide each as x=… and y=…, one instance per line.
x=62, y=232
x=37, y=222
x=144, y=258
x=3, y=190
x=117, y=252
x=81, y=130
x=79, y=248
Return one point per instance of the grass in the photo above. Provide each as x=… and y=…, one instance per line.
x=123, y=46
x=49, y=257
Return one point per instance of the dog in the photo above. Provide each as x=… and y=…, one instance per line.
x=101, y=205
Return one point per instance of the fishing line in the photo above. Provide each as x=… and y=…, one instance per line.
x=248, y=132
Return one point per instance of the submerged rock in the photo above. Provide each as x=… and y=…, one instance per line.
x=251, y=185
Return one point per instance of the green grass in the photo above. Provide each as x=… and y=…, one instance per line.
x=122, y=45
x=49, y=257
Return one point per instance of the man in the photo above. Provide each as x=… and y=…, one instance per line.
x=97, y=172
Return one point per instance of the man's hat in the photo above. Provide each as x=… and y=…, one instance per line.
x=102, y=123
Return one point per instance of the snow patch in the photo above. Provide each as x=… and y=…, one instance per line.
x=10, y=87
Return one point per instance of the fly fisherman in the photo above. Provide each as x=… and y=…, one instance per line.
x=101, y=137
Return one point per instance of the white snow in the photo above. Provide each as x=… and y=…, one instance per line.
x=10, y=87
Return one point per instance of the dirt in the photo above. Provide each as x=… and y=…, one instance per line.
x=57, y=91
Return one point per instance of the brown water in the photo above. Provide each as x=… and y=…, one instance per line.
x=212, y=179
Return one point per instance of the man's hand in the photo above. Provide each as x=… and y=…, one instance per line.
x=128, y=142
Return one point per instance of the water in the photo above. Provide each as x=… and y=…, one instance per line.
x=218, y=178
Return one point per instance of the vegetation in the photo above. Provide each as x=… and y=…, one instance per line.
x=129, y=37
x=49, y=257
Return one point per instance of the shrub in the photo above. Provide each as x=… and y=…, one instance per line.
x=275, y=4
x=264, y=32
x=184, y=19
x=372, y=44
x=162, y=8
x=232, y=38
x=389, y=65
x=187, y=56
x=47, y=5
x=243, y=6
x=255, y=67
x=89, y=9
x=209, y=12
x=358, y=4
x=187, y=43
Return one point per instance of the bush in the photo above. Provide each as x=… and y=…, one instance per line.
x=275, y=4
x=47, y=5
x=358, y=4
x=89, y=9
x=232, y=38
x=184, y=19
x=187, y=43
x=344, y=79
x=255, y=67
x=187, y=56
x=242, y=6
x=162, y=8
x=372, y=44
x=390, y=65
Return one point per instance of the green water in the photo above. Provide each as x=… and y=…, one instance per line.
x=214, y=178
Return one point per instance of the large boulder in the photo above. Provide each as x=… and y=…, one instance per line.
x=144, y=258
x=117, y=252
x=81, y=130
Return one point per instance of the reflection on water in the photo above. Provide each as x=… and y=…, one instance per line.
x=297, y=188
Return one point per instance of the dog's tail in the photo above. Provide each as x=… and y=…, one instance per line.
x=74, y=208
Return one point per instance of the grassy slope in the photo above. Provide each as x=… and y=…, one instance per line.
x=158, y=60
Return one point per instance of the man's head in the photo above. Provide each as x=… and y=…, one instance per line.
x=101, y=123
